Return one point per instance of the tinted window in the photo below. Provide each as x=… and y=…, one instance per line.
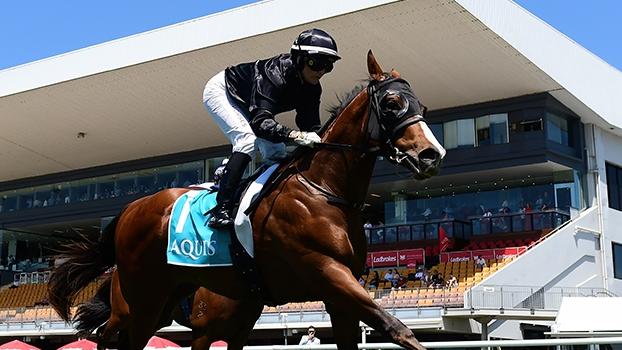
x=459, y=133
x=492, y=129
x=437, y=130
x=614, y=182
x=557, y=129
x=617, y=260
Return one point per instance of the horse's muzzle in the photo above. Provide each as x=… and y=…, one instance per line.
x=423, y=165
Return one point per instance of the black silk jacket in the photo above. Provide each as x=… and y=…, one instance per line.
x=268, y=87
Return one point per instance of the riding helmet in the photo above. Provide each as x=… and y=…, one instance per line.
x=313, y=42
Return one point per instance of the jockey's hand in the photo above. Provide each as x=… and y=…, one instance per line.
x=304, y=138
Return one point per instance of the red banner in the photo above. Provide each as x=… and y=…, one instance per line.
x=411, y=257
x=379, y=259
x=456, y=256
x=504, y=253
x=484, y=253
x=407, y=257
x=443, y=241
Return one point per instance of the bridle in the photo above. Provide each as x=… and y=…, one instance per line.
x=380, y=128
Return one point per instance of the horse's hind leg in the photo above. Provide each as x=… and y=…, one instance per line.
x=144, y=317
x=337, y=286
x=107, y=331
x=216, y=317
x=119, y=314
x=345, y=327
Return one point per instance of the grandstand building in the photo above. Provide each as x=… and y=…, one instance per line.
x=532, y=181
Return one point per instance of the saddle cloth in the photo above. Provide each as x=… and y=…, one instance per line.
x=192, y=243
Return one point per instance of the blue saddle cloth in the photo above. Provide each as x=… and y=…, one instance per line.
x=190, y=241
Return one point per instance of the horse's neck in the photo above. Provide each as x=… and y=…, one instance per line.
x=346, y=173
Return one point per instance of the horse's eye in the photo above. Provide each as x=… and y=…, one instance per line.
x=393, y=104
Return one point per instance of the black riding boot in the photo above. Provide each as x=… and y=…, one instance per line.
x=222, y=215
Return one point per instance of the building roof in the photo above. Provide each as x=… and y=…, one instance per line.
x=140, y=96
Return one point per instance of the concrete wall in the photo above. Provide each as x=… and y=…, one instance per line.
x=608, y=149
x=568, y=258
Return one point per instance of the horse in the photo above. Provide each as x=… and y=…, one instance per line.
x=307, y=230
x=207, y=315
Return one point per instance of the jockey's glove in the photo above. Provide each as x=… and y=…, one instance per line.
x=304, y=138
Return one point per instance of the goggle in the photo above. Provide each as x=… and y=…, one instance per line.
x=318, y=63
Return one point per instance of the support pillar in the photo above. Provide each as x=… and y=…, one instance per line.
x=484, y=321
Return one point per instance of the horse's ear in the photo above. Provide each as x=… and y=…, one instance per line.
x=395, y=74
x=373, y=67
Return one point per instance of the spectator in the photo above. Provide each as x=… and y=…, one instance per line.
x=440, y=281
x=433, y=279
x=397, y=279
x=427, y=214
x=480, y=262
x=505, y=208
x=310, y=338
x=420, y=275
x=389, y=276
x=375, y=281
x=367, y=226
x=452, y=281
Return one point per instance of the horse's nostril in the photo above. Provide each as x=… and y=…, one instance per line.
x=429, y=155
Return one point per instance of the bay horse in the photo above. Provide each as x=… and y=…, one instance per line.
x=307, y=231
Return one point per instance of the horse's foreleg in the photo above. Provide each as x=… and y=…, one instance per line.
x=243, y=320
x=345, y=327
x=337, y=286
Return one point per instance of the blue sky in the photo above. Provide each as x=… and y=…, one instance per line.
x=34, y=29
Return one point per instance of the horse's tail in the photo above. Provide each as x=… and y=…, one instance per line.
x=94, y=312
x=85, y=261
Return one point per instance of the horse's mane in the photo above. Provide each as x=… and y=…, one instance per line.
x=342, y=102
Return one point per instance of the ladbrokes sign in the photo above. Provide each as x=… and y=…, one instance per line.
x=396, y=258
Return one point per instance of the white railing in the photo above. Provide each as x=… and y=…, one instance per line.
x=455, y=344
x=526, y=297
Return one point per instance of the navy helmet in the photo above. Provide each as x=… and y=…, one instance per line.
x=315, y=42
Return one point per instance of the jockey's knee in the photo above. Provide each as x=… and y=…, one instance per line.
x=247, y=148
x=274, y=152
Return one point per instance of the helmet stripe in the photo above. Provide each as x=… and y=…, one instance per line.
x=315, y=48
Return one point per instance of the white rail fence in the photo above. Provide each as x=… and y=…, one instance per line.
x=456, y=344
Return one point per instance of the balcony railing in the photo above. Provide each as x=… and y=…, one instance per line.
x=526, y=297
x=521, y=222
x=464, y=229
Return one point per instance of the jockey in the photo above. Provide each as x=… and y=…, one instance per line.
x=244, y=99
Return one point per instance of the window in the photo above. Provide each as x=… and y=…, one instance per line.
x=437, y=130
x=614, y=186
x=492, y=129
x=459, y=133
x=617, y=260
x=527, y=125
x=557, y=129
